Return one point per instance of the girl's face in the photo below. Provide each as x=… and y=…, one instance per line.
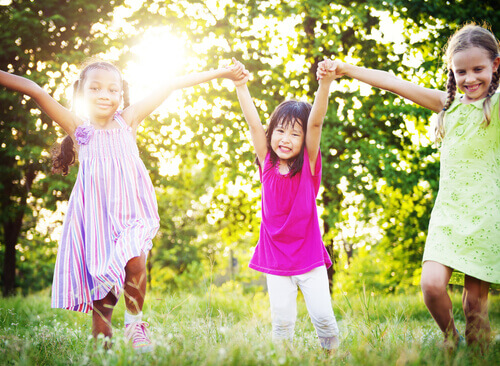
x=102, y=93
x=473, y=70
x=287, y=141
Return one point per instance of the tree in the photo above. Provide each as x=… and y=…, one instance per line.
x=373, y=142
x=39, y=40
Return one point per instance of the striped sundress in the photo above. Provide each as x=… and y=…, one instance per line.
x=112, y=217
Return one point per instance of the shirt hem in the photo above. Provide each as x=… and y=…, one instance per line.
x=288, y=272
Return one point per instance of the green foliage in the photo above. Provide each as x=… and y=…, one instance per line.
x=380, y=172
x=39, y=40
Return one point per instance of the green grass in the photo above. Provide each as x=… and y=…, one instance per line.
x=225, y=326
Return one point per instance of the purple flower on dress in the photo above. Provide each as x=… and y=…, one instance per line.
x=83, y=134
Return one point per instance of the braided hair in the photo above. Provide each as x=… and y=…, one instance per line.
x=471, y=35
x=64, y=155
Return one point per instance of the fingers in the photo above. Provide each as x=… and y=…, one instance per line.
x=237, y=72
x=328, y=69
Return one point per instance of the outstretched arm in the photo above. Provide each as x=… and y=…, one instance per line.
x=62, y=116
x=429, y=98
x=251, y=116
x=318, y=113
x=136, y=113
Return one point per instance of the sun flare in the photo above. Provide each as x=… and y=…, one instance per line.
x=159, y=56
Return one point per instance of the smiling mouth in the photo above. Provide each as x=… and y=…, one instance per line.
x=472, y=88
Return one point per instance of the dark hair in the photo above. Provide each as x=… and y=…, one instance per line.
x=287, y=113
x=64, y=155
x=471, y=35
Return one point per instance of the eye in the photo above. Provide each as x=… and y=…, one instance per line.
x=478, y=69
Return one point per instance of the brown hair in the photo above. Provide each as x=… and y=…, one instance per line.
x=471, y=35
x=64, y=154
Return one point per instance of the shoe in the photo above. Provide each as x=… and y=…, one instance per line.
x=138, y=334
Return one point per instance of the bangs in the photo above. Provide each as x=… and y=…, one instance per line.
x=289, y=121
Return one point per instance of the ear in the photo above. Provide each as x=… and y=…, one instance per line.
x=496, y=63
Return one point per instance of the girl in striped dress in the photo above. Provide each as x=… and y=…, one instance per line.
x=112, y=213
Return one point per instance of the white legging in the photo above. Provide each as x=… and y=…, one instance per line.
x=283, y=298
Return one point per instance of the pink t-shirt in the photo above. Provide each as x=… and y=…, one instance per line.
x=290, y=239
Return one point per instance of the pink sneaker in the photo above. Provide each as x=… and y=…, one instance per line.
x=138, y=334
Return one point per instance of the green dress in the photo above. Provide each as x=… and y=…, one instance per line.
x=464, y=229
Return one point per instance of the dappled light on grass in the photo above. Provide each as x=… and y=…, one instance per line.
x=227, y=326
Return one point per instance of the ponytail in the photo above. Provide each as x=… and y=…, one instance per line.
x=63, y=156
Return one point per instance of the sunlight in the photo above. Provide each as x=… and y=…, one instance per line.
x=159, y=56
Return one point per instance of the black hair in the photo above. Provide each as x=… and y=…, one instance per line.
x=287, y=113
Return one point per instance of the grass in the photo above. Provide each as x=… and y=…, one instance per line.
x=225, y=326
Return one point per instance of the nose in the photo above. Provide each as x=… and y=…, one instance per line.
x=285, y=138
x=103, y=94
x=469, y=77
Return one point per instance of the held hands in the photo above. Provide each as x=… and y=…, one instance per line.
x=329, y=70
x=237, y=73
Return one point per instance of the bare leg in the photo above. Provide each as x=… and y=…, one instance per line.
x=101, y=315
x=434, y=282
x=475, y=304
x=135, y=284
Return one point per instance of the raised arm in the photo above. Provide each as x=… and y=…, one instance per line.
x=62, y=116
x=318, y=113
x=257, y=131
x=429, y=98
x=136, y=113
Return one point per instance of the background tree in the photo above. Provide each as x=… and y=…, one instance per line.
x=42, y=41
x=380, y=171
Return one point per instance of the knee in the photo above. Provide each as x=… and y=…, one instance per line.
x=325, y=324
x=136, y=264
x=432, y=289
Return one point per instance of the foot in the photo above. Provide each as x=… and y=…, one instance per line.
x=138, y=334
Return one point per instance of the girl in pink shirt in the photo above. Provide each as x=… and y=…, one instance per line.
x=290, y=250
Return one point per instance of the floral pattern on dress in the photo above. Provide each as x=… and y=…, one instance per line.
x=84, y=133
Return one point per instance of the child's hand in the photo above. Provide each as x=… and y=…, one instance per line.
x=237, y=73
x=329, y=70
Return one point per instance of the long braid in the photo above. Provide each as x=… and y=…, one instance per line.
x=487, y=102
x=451, y=88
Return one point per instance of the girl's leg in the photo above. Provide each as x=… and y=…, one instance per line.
x=434, y=282
x=314, y=287
x=135, y=284
x=475, y=304
x=101, y=315
x=135, y=291
x=283, y=298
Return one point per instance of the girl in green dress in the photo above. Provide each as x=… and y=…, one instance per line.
x=464, y=230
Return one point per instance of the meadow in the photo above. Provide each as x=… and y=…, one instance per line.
x=226, y=326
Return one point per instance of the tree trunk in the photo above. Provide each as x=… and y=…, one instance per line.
x=12, y=230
